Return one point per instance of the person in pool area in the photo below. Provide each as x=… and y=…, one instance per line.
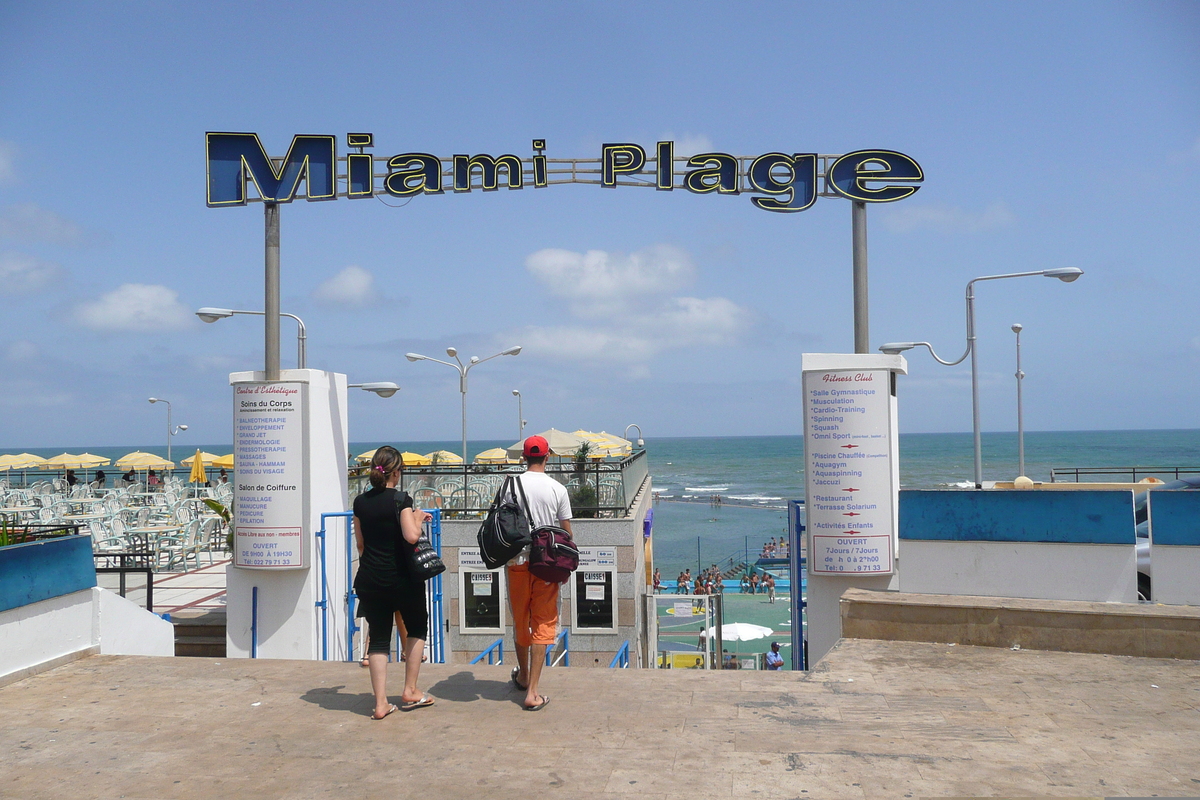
x=774, y=660
x=386, y=526
x=535, y=601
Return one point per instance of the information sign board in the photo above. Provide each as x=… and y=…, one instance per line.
x=268, y=447
x=848, y=471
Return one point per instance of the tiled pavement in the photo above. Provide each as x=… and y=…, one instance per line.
x=201, y=589
x=876, y=719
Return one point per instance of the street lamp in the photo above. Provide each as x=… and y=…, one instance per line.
x=640, y=442
x=1016, y=328
x=520, y=416
x=463, y=369
x=170, y=431
x=214, y=314
x=1064, y=274
x=381, y=388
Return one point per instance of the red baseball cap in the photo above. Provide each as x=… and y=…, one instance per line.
x=537, y=446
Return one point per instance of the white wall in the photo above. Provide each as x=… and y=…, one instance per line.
x=1176, y=574
x=1048, y=571
x=91, y=620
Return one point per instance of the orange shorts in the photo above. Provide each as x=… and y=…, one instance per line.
x=534, y=607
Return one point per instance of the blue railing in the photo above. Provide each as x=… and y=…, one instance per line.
x=323, y=603
x=495, y=649
x=564, y=636
x=621, y=659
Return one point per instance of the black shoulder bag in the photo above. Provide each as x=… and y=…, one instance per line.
x=425, y=562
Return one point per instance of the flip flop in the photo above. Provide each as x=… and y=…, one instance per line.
x=515, y=672
x=391, y=708
x=425, y=700
x=545, y=702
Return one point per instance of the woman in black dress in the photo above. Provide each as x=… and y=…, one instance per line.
x=386, y=526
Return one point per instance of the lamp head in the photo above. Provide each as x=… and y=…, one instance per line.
x=414, y=357
x=214, y=314
x=895, y=348
x=512, y=351
x=1017, y=327
x=452, y=352
x=183, y=427
x=1064, y=274
x=153, y=399
x=516, y=392
x=381, y=388
x=474, y=359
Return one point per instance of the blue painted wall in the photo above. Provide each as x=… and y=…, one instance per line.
x=1073, y=517
x=1175, y=518
x=37, y=571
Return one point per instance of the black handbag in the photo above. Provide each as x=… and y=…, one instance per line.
x=506, y=531
x=425, y=562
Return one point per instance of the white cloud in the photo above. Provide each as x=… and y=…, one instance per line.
x=353, y=286
x=628, y=299
x=597, y=283
x=21, y=350
x=29, y=222
x=909, y=218
x=690, y=143
x=135, y=307
x=21, y=274
x=8, y=155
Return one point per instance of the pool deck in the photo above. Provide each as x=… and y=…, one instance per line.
x=876, y=719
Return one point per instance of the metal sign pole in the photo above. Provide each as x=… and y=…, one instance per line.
x=271, y=301
x=858, y=226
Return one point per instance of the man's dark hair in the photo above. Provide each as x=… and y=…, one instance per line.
x=535, y=459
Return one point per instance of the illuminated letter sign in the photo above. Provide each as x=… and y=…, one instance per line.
x=233, y=156
x=782, y=183
x=850, y=174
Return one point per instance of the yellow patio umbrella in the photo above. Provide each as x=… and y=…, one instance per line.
x=198, y=474
x=205, y=458
x=223, y=462
x=415, y=459
x=81, y=461
x=365, y=458
x=562, y=444
x=606, y=444
x=444, y=457
x=141, y=460
x=20, y=461
x=497, y=455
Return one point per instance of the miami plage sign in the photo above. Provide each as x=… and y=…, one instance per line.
x=778, y=181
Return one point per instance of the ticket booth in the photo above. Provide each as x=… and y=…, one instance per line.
x=593, y=595
x=483, y=595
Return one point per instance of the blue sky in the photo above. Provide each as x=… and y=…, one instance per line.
x=1051, y=134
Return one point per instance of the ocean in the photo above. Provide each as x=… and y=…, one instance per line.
x=756, y=475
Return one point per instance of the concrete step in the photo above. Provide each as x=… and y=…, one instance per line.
x=200, y=634
x=200, y=646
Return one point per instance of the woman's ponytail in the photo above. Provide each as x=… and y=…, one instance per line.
x=385, y=461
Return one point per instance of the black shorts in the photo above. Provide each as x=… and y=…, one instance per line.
x=378, y=610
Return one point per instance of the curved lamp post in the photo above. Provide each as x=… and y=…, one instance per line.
x=520, y=416
x=214, y=314
x=381, y=388
x=171, y=431
x=1064, y=274
x=463, y=369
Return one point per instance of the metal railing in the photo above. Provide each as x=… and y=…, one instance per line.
x=124, y=563
x=20, y=532
x=496, y=648
x=598, y=488
x=564, y=636
x=1107, y=474
x=621, y=659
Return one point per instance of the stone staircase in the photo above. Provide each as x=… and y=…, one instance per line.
x=199, y=633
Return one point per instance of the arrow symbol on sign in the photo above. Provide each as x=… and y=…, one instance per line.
x=851, y=514
x=848, y=446
x=851, y=489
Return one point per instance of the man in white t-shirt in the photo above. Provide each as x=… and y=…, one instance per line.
x=535, y=601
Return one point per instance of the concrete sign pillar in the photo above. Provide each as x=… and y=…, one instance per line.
x=851, y=482
x=290, y=449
